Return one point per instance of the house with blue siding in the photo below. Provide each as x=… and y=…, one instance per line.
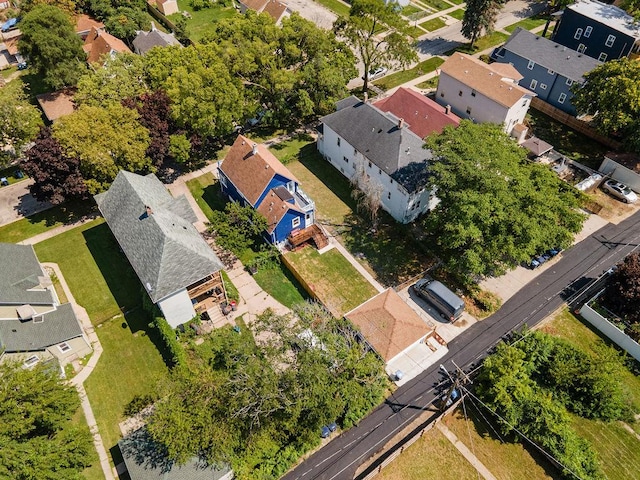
x=548, y=68
x=602, y=31
x=252, y=175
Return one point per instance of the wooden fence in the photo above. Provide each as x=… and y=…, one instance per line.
x=574, y=123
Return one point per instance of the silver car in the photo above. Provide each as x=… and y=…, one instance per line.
x=620, y=191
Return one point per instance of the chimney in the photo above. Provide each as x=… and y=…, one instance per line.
x=153, y=27
x=400, y=122
x=254, y=149
x=447, y=109
x=148, y=209
x=366, y=97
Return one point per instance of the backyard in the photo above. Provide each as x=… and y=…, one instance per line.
x=200, y=21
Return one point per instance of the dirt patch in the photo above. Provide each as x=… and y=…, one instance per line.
x=612, y=210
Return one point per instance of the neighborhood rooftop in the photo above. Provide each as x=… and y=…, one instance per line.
x=99, y=43
x=156, y=233
x=551, y=55
x=495, y=81
x=145, y=41
x=424, y=117
x=609, y=15
x=382, y=138
x=22, y=276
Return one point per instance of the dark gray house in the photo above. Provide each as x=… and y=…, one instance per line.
x=145, y=41
x=549, y=69
x=602, y=31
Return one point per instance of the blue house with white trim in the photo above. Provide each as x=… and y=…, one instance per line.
x=252, y=175
x=548, y=68
x=604, y=32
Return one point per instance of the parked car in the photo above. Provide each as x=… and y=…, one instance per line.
x=9, y=24
x=327, y=430
x=377, y=73
x=620, y=191
x=447, y=303
x=22, y=66
x=4, y=182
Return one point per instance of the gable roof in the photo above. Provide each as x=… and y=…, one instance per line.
x=495, y=81
x=274, y=207
x=145, y=41
x=378, y=137
x=21, y=277
x=388, y=324
x=57, y=104
x=423, y=116
x=99, y=43
x=156, y=233
x=609, y=15
x=550, y=55
x=275, y=8
x=249, y=172
x=84, y=24
x=536, y=146
x=56, y=326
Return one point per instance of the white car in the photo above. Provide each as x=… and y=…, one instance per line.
x=377, y=73
x=620, y=191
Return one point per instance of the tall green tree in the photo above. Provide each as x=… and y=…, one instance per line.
x=19, y=120
x=125, y=22
x=54, y=49
x=121, y=76
x=37, y=437
x=479, y=17
x=378, y=33
x=105, y=140
x=496, y=208
x=611, y=93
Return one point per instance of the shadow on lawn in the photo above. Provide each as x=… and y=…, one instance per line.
x=213, y=196
x=65, y=214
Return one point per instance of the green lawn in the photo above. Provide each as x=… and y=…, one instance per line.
x=457, y=14
x=527, y=24
x=37, y=223
x=433, y=24
x=456, y=2
x=437, y=4
x=431, y=83
x=281, y=285
x=335, y=282
x=410, y=10
x=491, y=40
x=93, y=472
x=288, y=151
x=201, y=21
x=103, y=282
x=398, y=78
x=7, y=72
x=574, y=145
x=416, y=32
x=337, y=7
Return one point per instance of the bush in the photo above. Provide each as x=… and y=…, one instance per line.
x=232, y=291
x=137, y=404
x=176, y=353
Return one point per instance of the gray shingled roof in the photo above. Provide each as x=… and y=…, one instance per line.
x=163, y=247
x=146, y=460
x=145, y=41
x=550, y=55
x=56, y=327
x=375, y=134
x=609, y=15
x=20, y=272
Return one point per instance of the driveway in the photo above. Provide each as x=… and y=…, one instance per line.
x=313, y=11
x=16, y=202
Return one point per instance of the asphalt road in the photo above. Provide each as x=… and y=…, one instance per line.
x=16, y=202
x=582, y=263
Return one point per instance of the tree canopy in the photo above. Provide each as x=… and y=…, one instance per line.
x=363, y=28
x=496, y=208
x=479, y=17
x=54, y=49
x=622, y=295
x=611, y=93
x=19, y=120
x=37, y=438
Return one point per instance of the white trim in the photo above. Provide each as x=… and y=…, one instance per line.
x=295, y=222
x=602, y=57
x=611, y=39
x=533, y=84
x=581, y=48
x=64, y=347
x=569, y=82
x=562, y=98
x=578, y=34
x=531, y=64
x=587, y=31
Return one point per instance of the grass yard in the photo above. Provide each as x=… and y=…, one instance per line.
x=201, y=21
x=288, y=151
x=457, y=14
x=103, y=282
x=93, y=472
x=433, y=24
x=281, y=285
x=574, y=145
x=336, y=6
x=527, y=24
x=416, y=32
x=398, y=78
x=456, y=2
x=437, y=4
x=482, y=43
x=411, y=10
x=432, y=83
x=333, y=279
x=433, y=456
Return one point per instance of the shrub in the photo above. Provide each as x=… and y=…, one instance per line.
x=137, y=404
x=176, y=353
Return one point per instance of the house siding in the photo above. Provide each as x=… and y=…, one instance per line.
x=402, y=205
x=277, y=181
x=79, y=348
x=177, y=308
x=285, y=226
x=621, y=173
x=595, y=43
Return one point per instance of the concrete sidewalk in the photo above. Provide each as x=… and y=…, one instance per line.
x=58, y=230
x=466, y=453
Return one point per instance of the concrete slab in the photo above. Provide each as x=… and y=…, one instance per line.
x=414, y=361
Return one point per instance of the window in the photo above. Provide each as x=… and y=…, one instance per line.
x=31, y=361
x=369, y=164
x=578, y=34
x=587, y=31
x=379, y=172
x=610, y=40
x=64, y=347
x=223, y=180
x=460, y=93
x=473, y=93
x=533, y=84
x=569, y=82
x=581, y=48
x=524, y=104
x=468, y=110
x=551, y=72
x=602, y=57
x=338, y=141
x=389, y=196
x=531, y=64
x=543, y=86
x=418, y=204
x=562, y=98
x=345, y=159
x=355, y=152
x=295, y=223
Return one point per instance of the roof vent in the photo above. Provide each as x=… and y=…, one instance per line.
x=254, y=149
x=149, y=287
x=568, y=57
x=400, y=122
x=148, y=209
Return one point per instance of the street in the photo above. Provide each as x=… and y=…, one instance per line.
x=340, y=458
x=16, y=202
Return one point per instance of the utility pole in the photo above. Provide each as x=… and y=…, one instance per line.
x=458, y=379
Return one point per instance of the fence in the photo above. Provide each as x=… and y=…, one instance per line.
x=574, y=123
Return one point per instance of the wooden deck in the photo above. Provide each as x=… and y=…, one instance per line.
x=314, y=232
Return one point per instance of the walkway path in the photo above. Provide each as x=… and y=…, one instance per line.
x=357, y=265
x=79, y=379
x=466, y=453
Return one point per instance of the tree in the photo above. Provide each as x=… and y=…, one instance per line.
x=37, y=435
x=238, y=228
x=54, y=49
x=125, y=22
x=496, y=208
x=180, y=148
x=19, y=120
x=57, y=177
x=105, y=140
x=622, y=295
x=361, y=29
x=67, y=6
x=479, y=17
x=611, y=93
x=367, y=192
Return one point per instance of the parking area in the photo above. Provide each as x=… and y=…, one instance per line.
x=16, y=202
x=313, y=11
